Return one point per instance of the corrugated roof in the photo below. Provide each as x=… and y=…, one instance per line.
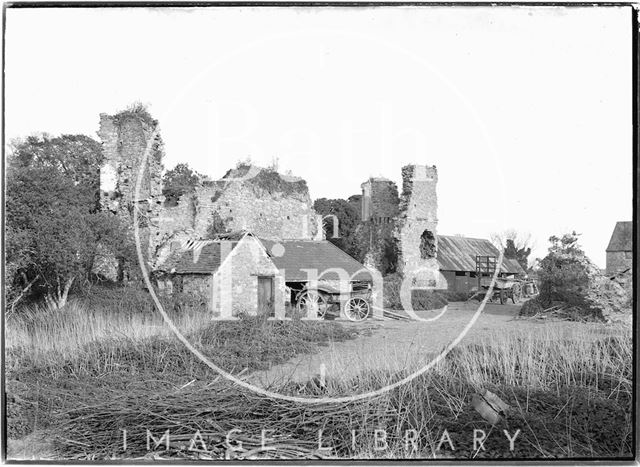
x=622, y=237
x=459, y=254
x=311, y=254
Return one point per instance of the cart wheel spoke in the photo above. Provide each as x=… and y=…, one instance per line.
x=314, y=302
x=357, y=309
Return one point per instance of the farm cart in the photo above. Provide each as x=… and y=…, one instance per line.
x=503, y=289
x=323, y=300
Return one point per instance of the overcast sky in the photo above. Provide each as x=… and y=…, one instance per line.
x=526, y=112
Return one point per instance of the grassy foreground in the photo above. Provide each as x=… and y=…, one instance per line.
x=80, y=378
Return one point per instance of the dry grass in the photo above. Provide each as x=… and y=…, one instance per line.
x=82, y=376
x=68, y=330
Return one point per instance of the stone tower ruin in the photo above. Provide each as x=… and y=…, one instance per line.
x=400, y=231
x=417, y=224
x=126, y=137
x=379, y=207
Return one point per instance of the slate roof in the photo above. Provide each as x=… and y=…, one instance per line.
x=459, y=254
x=204, y=258
x=622, y=237
x=312, y=254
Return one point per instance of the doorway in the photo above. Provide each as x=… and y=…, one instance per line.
x=266, y=302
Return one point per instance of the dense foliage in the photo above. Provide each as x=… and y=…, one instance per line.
x=565, y=267
x=340, y=220
x=54, y=229
x=179, y=181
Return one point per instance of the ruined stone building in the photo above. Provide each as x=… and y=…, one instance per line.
x=268, y=204
x=402, y=229
x=185, y=243
x=215, y=242
x=401, y=233
x=130, y=140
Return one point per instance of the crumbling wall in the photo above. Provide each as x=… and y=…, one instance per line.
x=267, y=215
x=126, y=137
x=379, y=204
x=416, y=227
x=268, y=205
x=379, y=200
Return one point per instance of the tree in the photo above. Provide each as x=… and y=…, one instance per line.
x=179, y=181
x=565, y=269
x=75, y=156
x=340, y=220
x=515, y=245
x=52, y=217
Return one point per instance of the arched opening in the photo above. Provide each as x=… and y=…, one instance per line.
x=427, y=245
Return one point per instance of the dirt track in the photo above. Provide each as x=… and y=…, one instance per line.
x=401, y=345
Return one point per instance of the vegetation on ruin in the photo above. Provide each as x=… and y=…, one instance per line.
x=179, y=181
x=347, y=214
x=136, y=110
x=268, y=180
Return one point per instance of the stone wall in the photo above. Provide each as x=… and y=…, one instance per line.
x=417, y=224
x=198, y=285
x=282, y=212
x=270, y=205
x=379, y=207
x=235, y=284
x=379, y=200
x=244, y=206
x=126, y=137
x=618, y=261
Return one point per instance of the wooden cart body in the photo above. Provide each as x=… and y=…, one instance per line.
x=512, y=288
x=353, y=304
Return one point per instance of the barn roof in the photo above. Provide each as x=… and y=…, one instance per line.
x=321, y=256
x=622, y=237
x=459, y=254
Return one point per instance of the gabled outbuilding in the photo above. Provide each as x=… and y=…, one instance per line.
x=233, y=275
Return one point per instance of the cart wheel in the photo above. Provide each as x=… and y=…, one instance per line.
x=503, y=296
x=356, y=309
x=314, y=301
x=516, y=293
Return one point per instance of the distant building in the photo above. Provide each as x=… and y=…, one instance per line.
x=457, y=261
x=620, y=249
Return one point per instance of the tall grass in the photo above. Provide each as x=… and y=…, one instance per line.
x=84, y=374
x=66, y=331
x=549, y=359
